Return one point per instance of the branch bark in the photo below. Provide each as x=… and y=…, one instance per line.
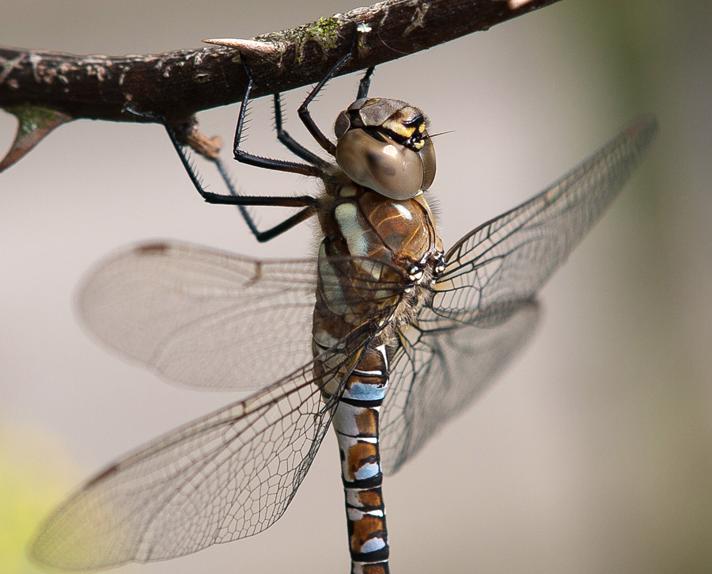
x=178, y=84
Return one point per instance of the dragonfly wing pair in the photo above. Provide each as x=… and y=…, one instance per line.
x=483, y=309
x=215, y=320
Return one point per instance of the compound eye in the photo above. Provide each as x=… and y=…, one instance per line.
x=427, y=156
x=386, y=167
x=342, y=124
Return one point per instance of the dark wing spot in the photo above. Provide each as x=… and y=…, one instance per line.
x=152, y=248
x=102, y=475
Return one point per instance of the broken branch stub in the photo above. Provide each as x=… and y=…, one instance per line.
x=34, y=123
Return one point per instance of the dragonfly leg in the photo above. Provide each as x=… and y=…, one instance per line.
x=307, y=202
x=280, y=228
x=303, y=111
x=259, y=161
x=289, y=142
x=365, y=84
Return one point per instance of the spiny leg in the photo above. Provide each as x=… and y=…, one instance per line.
x=304, y=114
x=365, y=84
x=308, y=202
x=275, y=201
x=289, y=142
x=258, y=161
x=294, y=146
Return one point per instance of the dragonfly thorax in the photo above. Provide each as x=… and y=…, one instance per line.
x=383, y=145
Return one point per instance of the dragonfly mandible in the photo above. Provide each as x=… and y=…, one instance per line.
x=384, y=336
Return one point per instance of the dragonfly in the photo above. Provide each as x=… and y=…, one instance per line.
x=383, y=336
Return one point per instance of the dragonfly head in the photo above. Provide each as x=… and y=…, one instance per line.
x=384, y=145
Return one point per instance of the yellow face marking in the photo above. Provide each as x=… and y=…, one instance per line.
x=398, y=128
x=418, y=144
x=421, y=128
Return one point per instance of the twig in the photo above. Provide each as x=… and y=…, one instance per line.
x=178, y=84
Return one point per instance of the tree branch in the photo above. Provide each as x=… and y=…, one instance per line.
x=178, y=84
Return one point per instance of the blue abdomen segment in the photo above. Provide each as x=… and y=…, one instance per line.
x=356, y=423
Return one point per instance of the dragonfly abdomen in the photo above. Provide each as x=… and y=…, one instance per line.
x=356, y=423
x=369, y=240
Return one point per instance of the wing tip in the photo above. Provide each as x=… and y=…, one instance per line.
x=643, y=130
x=42, y=552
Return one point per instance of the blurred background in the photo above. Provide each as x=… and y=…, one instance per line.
x=592, y=454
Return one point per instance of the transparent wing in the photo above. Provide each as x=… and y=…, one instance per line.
x=435, y=375
x=208, y=318
x=481, y=313
x=223, y=477
x=504, y=261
